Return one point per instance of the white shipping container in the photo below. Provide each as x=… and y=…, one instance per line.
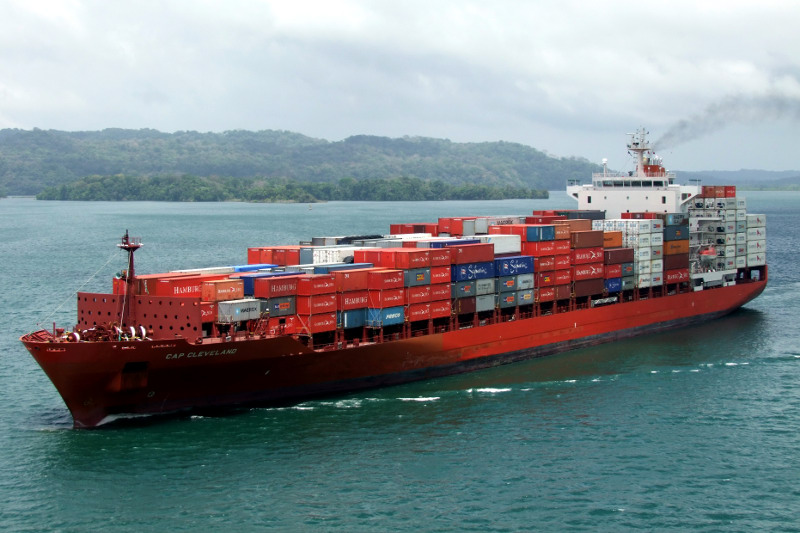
x=656, y=266
x=758, y=259
x=468, y=227
x=485, y=302
x=410, y=236
x=641, y=267
x=741, y=214
x=730, y=227
x=656, y=252
x=741, y=249
x=598, y=225
x=656, y=225
x=209, y=270
x=238, y=310
x=642, y=254
x=710, y=203
x=484, y=286
x=754, y=234
x=730, y=238
x=644, y=281
x=729, y=263
x=656, y=279
x=741, y=203
x=481, y=226
x=741, y=261
x=741, y=238
x=756, y=221
x=504, y=244
x=656, y=239
x=756, y=247
x=721, y=203
x=730, y=251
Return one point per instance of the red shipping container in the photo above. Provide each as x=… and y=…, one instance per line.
x=353, y=300
x=613, y=271
x=441, y=309
x=440, y=274
x=539, y=249
x=586, y=239
x=310, y=324
x=719, y=191
x=562, y=247
x=385, y=279
x=369, y=255
x=563, y=261
x=440, y=291
x=284, y=325
x=312, y=284
x=730, y=191
x=563, y=292
x=400, y=229
x=418, y=294
x=275, y=287
x=440, y=256
x=562, y=277
x=443, y=225
x=546, y=294
x=420, y=311
x=351, y=280
x=547, y=262
x=590, y=271
x=222, y=289
x=471, y=253
x=407, y=258
x=582, y=256
x=708, y=191
x=208, y=311
x=315, y=304
x=380, y=299
x=185, y=286
x=676, y=276
x=545, y=279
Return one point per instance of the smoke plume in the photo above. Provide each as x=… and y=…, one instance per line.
x=733, y=109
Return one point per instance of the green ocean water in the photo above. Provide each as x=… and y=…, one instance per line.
x=692, y=430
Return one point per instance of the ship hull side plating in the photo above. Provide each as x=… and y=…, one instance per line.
x=101, y=380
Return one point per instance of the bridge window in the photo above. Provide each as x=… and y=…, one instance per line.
x=663, y=199
x=588, y=199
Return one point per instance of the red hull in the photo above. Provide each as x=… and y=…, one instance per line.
x=101, y=379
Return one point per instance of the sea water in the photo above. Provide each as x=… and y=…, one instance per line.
x=694, y=429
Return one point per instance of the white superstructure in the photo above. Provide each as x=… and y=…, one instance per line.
x=649, y=188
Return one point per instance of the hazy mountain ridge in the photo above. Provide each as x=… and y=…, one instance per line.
x=32, y=160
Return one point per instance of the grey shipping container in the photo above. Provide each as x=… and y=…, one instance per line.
x=238, y=310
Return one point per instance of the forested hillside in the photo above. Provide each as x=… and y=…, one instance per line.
x=32, y=160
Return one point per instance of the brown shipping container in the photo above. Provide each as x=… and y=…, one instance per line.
x=587, y=239
x=222, y=289
x=590, y=271
x=471, y=253
x=612, y=239
x=676, y=261
x=563, y=292
x=563, y=232
x=464, y=305
x=589, y=287
x=676, y=247
x=616, y=256
x=577, y=224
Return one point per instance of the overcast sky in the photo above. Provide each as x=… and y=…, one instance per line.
x=567, y=77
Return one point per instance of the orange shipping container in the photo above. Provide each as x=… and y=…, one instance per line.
x=612, y=239
x=222, y=289
x=676, y=247
x=576, y=224
x=562, y=231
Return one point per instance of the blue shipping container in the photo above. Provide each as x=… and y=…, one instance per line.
x=252, y=268
x=470, y=271
x=327, y=269
x=514, y=265
x=389, y=316
x=453, y=242
x=540, y=233
x=354, y=318
x=614, y=285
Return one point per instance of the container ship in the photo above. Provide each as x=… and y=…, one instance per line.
x=334, y=315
